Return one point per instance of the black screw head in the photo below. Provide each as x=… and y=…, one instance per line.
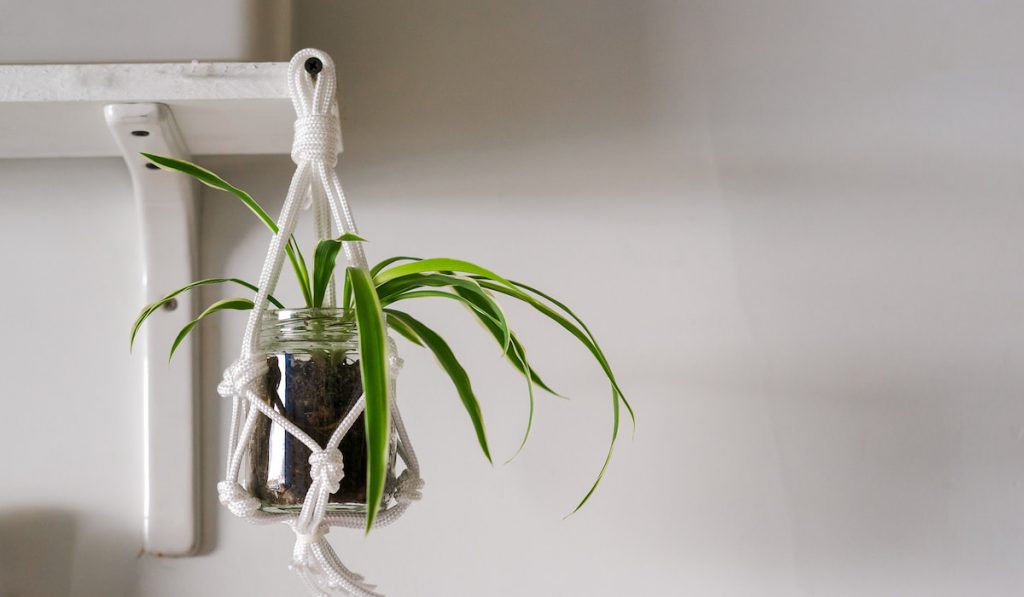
x=140, y=133
x=314, y=66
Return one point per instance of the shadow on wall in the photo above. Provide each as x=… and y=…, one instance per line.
x=36, y=552
x=457, y=77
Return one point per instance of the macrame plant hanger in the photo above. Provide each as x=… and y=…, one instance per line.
x=315, y=185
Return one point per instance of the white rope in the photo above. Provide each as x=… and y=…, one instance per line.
x=316, y=563
x=315, y=184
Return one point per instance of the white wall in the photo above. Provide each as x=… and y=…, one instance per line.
x=818, y=204
x=68, y=31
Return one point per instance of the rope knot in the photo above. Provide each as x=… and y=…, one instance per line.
x=237, y=499
x=241, y=376
x=312, y=537
x=410, y=487
x=328, y=467
x=317, y=138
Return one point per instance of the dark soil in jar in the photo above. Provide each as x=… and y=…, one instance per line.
x=317, y=393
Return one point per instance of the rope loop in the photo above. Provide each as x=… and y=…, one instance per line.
x=242, y=376
x=237, y=499
x=316, y=535
x=317, y=130
x=317, y=139
x=328, y=467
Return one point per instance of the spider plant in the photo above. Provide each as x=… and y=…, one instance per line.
x=374, y=297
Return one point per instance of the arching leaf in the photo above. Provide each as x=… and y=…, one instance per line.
x=373, y=364
x=376, y=269
x=152, y=307
x=211, y=180
x=324, y=260
x=237, y=304
x=391, y=290
x=439, y=265
x=453, y=368
x=402, y=329
x=515, y=347
x=584, y=339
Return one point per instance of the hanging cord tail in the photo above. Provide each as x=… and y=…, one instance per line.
x=317, y=564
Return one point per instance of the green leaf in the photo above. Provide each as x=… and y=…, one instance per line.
x=346, y=294
x=582, y=332
x=487, y=310
x=560, y=305
x=152, y=307
x=346, y=291
x=323, y=269
x=442, y=294
x=211, y=180
x=298, y=261
x=521, y=355
x=578, y=320
x=403, y=329
x=611, y=447
x=390, y=291
x=439, y=265
x=238, y=304
x=373, y=364
x=584, y=339
x=455, y=371
x=516, y=354
x=515, y=347
x=376, y=269
x=324, y=260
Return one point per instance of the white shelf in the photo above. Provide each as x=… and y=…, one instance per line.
x=49, y=111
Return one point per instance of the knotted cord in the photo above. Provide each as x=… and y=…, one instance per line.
x=315, y=184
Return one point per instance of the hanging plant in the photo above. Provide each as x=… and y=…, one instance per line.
x=324, y=371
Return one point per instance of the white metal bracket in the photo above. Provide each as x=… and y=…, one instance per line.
x=166, y=205
x=221, y=108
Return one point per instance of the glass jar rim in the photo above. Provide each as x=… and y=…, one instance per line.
x=272, y=314
x=320, y=325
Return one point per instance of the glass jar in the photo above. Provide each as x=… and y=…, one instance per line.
x=314, y=379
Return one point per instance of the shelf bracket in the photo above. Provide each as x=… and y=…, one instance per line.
x=166, y=207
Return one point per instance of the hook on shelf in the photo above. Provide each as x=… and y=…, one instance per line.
x=314, y=66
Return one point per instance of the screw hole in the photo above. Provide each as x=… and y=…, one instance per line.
x=171, y=305
x=314, y=66
x=152, y=166
x=141, y=133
